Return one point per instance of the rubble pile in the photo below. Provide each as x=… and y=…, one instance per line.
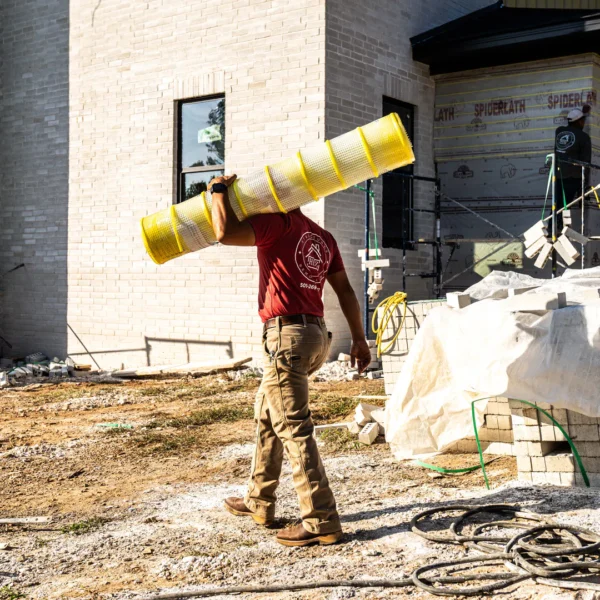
x=368, y=423
x=37, y=365
x=342, y=370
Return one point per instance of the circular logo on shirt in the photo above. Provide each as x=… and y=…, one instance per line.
x=312, y=257
x=564, y=140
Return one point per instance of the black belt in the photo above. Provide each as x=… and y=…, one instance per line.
x=294, y=320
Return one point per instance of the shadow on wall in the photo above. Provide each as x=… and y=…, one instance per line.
x=180, y=351
x=34, y=176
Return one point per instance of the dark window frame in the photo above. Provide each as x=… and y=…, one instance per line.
x=406, y=225
x=180, y=173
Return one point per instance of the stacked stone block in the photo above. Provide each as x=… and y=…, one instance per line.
x=394, y=359
x=495, y=435
x=543, y=454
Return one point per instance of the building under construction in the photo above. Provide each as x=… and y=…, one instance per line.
x=105, y=104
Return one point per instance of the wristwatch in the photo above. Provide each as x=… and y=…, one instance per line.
x=218, y=188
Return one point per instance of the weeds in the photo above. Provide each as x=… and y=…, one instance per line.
x=83, y=527
x=340, y=440
x=111, y=432
x=327, y=407
x=162, y=443
x=152, y=391
x=8, y=593
x=206, y=416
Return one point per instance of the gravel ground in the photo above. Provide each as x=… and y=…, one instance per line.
x=132, y=515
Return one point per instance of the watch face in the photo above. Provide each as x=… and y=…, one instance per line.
x=219, y=188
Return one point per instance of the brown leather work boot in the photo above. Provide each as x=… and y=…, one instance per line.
x=298, y=536
x=237, y=507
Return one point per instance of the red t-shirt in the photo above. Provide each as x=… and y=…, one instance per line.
x=295, y=256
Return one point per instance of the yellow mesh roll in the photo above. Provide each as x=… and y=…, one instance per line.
x=376, y=148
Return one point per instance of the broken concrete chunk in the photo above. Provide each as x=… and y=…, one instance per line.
x=379, y=417
x=519, y=291
x=368, y=433
x=542, y=259
x=363, y=413
x=374, y=374
x=344, y=357
x=457, y=300
x=567, y=220
x=574, y=236
x=354, y=428
x=352, y=376
x=532, y=250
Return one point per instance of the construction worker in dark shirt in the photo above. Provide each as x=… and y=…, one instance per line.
x=571, y=142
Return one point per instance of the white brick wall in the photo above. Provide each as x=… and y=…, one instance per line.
x=130, y=67
x=33, y=174
x=88, y=103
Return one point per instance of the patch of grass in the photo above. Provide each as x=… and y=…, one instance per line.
x=111, y=432
x=153, y=391
x=206, y=416
x=83, y=527
x=9, y=593
x=163, y=443
x=41, y=543
x=327, y=407
x=340, y=440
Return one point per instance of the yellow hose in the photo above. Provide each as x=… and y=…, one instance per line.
x=388, y=306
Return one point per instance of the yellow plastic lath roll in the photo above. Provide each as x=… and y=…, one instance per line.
x=311, y=174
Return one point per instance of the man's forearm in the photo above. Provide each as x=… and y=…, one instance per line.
x=222, y=215
x=351, y=309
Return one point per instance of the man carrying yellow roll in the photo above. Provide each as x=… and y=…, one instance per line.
x=295, y=258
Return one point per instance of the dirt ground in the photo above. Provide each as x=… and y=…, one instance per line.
x=139, y=510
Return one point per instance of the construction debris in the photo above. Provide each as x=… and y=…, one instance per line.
x=193, y=368
x=354, y=427
x=362, y=414
x=25, y=520
x=368, y=433
x=33, y=365
x=457, y=300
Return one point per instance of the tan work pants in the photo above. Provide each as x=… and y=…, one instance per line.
x=292, y=353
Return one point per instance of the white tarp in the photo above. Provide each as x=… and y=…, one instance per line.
x=487, y=349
